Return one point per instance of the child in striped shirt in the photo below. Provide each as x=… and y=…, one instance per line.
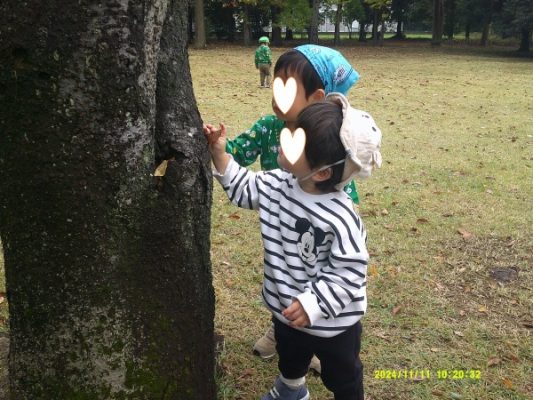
x=318, y=71
x=315, y=256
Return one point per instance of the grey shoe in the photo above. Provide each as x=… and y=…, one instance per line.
x=280, y=391
x=315, y=365
x=265, y=347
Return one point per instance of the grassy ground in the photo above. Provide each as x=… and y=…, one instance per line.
x=448, y=217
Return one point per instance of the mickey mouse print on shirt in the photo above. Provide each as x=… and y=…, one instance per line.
x=309, y=239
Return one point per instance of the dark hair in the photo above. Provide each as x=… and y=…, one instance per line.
x=322, y=123
x=295, y=63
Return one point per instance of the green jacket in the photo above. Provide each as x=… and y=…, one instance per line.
x=263, y=55
x=262, y=140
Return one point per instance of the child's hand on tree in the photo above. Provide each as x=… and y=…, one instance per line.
x=296, y=314
x=216, y=140
x=212, y=134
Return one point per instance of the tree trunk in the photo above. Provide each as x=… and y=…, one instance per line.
x=362, y=32
x=289, y=34
x=399, y=30
x=383, y=31
x=107, y=271
x=199, y=22
x=338, y=15
x=438, y=22
x=525, y=36
x=247, y=26
x=313, y=26
x=277, y=40
x=485, y=34
x=375, y=28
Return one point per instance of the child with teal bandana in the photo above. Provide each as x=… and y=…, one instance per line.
x=332, y=73
x=318, y=72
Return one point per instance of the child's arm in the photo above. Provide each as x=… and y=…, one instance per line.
x=240, y=185
x=216, y=138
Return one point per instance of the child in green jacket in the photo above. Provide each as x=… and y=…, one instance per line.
x=263, y=61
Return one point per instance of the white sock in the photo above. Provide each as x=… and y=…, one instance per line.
x=292, y=383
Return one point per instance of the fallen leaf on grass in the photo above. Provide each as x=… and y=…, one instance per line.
x=528, y=324
x=482, y=309
x=234, y=216
x=437, y=393
x=396, y=310
x=422, y=221
x=466, y=235
x=247, y=372
x=493, y=361
x=373, y=270
x=383, y=336
x=434, y=350
x=507, y=383
x=455, y=396
x=384, y=212
x=511, y=357
x=459, y=333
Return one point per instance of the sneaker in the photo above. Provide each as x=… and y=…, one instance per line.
x=265, y=347
x=315, y=365
x=280, y=391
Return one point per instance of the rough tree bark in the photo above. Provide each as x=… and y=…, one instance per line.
x=199, y=24
x=108, y=272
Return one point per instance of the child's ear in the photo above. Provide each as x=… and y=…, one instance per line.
x=318, y=95
x=323, y=175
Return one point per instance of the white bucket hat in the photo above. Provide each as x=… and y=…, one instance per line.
x=361, y=138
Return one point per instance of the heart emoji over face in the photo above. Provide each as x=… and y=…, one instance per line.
x=292, y=144
x=284, y=93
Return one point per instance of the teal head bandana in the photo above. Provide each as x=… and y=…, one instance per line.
x=334, y=70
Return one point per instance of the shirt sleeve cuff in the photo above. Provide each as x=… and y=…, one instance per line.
x=310, y=304
x=231, y=169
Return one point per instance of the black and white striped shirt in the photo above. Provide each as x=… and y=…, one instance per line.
x=314, y=247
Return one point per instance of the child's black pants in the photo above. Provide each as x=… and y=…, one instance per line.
x=342, y=370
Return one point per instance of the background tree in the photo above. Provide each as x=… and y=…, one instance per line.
x=295, y=15
x=108, y=273
x=450, y=18
x=221, y=17
x=517, y=19
x=352, y=11
x=312, y=30
x=399, y=9
x=470, y=14
x=380, y=10
x=438, y=22
x=199, y=24
x=275, y=11
x=488, y=6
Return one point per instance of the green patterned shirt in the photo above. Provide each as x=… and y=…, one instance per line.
x=263, y=55
x=262, y=140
